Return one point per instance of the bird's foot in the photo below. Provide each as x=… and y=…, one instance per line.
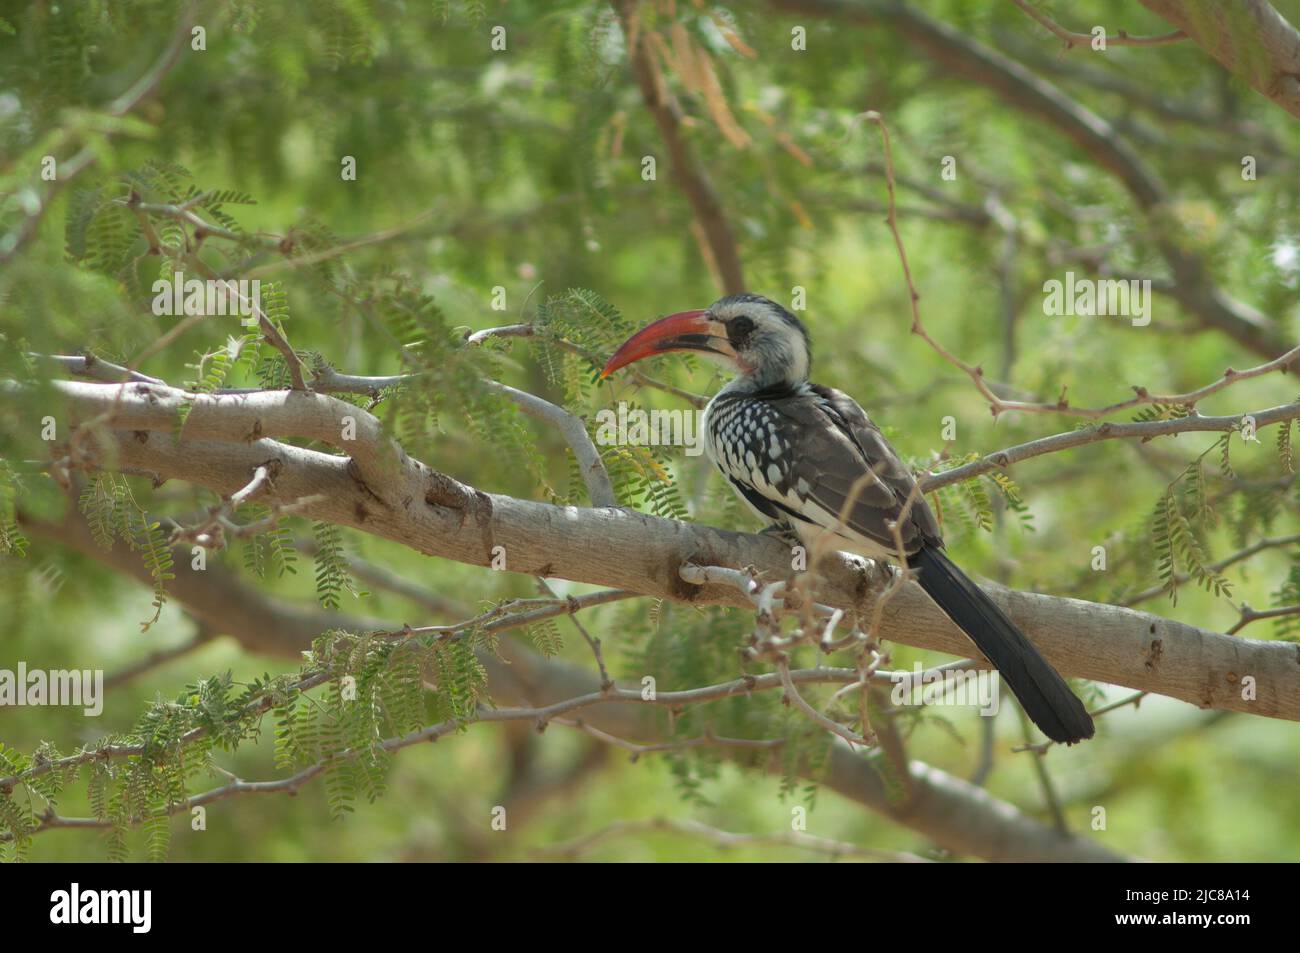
x=782, y=531
x=879, y=573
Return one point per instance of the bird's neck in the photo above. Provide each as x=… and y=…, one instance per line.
x=758, y=384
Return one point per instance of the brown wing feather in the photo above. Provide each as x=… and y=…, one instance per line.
x=838, y=445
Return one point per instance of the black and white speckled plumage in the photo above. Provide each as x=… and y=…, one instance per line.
x=794, y=451
x=810, y=458
x=795, y=454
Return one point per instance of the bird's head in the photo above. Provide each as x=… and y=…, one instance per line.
x=751, y=335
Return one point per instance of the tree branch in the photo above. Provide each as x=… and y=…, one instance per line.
x=437, y=515
x=1179, y=578
x=1248, y=37
x=1136, y=430
x=1072, y=39
x=694, y=181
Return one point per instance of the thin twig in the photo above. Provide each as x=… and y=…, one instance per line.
x=270, y=332
x=540, y=715
x=998, y=405
x=606, y=682
x=1072, y=39
x=1249, y=615
x=1044, y=779
x=792, y=693
x=210, y=533
x=1140, y=430
x=1259, y=546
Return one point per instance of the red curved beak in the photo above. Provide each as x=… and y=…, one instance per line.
x=684, y=331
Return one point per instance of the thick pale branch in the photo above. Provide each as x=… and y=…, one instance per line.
x=437, y=515
x=1250, y=38
x=93, y=368
x=245, y=418
x=641, y=553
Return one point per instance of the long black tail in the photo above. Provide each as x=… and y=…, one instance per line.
x=1043, y=692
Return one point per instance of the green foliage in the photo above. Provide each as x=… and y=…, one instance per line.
x=447, y=379
x=976, y=499
x=1177, y=546
x=1152, y=412
x=546, y=638
x=966, y=507
x=214, y=369
x=1288, y=595
x=642, y=476
x=112, y=513
x=374, y=695
x=348, y=29
x=12, y=540
x=271, y=551
x=577, y=320
x=1011, y=494
x=332, y=573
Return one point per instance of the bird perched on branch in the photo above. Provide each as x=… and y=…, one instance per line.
x=809, y=458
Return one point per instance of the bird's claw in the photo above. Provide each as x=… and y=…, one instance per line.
x=879, y=572
x=781, y=531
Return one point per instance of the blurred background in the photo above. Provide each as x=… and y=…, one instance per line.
x=500, y=159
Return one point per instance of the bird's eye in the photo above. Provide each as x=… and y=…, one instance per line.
x=739, y=329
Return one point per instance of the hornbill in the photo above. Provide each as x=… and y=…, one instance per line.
x=809, y=458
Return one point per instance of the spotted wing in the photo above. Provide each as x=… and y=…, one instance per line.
x=836, y=448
